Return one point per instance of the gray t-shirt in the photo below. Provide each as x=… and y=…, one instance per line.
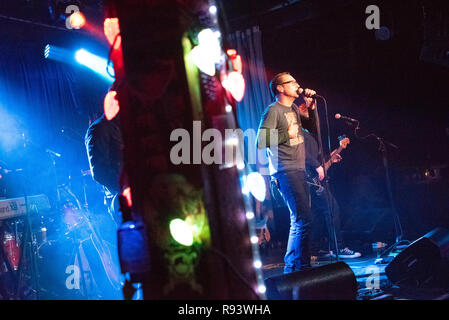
x=286, y=153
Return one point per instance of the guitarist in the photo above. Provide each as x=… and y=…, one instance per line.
x=319, y=199
x=104, y=146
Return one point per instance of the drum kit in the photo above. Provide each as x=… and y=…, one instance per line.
x=42, y=236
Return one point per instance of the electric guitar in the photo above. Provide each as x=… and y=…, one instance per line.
x=312, y=177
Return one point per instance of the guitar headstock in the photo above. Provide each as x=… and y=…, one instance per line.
x=344, y=141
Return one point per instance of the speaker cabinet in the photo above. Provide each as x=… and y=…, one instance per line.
x=424, y=263
x=335, y=281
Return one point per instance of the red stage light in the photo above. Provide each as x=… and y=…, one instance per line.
x=237, y=63
x=77, y=20
x=111, y=31
x=127, y=194
x=111, y=105
x=231, y=53
x=234, y=82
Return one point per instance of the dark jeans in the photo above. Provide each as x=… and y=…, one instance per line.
x=295, y=192
x=322, y=229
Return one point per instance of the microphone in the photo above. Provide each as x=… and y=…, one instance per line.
x=339, y=116
x=303, y=92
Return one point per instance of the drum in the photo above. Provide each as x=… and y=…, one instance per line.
x=12, y=250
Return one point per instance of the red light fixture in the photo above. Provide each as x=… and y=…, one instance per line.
x=234, y=82
x=77, y=20
x=127, y=194
x=111, y=105
x=112, y=31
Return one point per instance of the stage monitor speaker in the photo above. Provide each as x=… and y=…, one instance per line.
x=335, y=281
x=424, y=263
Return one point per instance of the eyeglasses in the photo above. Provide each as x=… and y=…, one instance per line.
x=291, y=81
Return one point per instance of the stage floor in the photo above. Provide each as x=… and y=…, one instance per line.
x=372, y=282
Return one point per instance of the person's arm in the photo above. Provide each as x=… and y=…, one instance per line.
x=308, y=118
x=269, y=135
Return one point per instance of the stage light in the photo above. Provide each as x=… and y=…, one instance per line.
x=208, y=51
x=93, y=62
x=257, y=264
x=245, y=190
x=77, y=20
x=181, y=232
x=111, y=108
x=254, y=239
x=52, y=52
x=236, y=60
x=228, y=108
x=203, y=61
x=249, y=215
x=212, y=9
x=47, y=51
x=262, y=289
x=127, y=192
x=234, y=83
x=112, y=30
x=256, y=185
x=231, y=52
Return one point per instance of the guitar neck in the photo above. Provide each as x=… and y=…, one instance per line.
x=329, y=162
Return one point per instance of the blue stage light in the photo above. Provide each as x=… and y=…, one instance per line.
x=93, y=62
x=52, y=52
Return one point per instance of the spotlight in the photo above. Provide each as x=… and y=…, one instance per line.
x=208, y=52
x=262, y=289
x=47, y=51
x=250, y=215
x=127, y=192
x=112, y=32
x=235, y=84
x=111, y=108
x=254, y=239
x=256, y=185
x=181, y=232
x=52, y=52
x=77, y=20
x=93, y=62
x=212, y=9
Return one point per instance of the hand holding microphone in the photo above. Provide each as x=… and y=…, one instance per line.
x=309, y=95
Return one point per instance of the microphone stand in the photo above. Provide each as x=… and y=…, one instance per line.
x=383, y=149
x=397, y=222
x=331, y=226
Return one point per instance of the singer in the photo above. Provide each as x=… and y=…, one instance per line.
x=280, y=132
